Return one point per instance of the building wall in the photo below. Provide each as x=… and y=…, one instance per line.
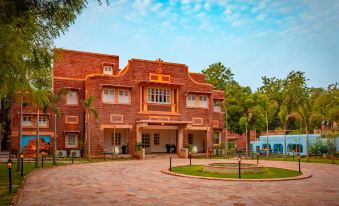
x=82, y=71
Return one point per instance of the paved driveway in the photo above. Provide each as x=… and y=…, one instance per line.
x=141, y=183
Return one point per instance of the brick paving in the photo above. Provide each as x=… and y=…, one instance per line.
x=141, y=183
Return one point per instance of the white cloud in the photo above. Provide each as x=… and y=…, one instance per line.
x=228, y=11
x=207, y=6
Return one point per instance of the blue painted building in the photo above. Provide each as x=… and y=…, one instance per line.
x=294, y=143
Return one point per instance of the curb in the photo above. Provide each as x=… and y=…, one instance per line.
x=306, y=174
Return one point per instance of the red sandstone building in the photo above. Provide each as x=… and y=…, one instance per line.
x=152, y=102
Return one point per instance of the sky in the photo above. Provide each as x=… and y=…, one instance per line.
x=253, y=38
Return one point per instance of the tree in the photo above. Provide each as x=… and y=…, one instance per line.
x=88, y=104
x=39, y=96
x=270, y=107
x=218, y=75
x=27, y=32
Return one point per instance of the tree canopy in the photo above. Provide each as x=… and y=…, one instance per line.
x=27, y=32
x=289, y=102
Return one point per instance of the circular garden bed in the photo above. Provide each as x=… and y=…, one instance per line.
x=265, y=173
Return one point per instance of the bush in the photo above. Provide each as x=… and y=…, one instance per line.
x=320, y=147
x=189, y=147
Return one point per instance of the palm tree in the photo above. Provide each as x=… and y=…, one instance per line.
x=88, y=104
x=40, y=100
x=54, y=98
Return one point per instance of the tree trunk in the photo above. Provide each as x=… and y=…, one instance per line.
x=20, y=136
x=37, y=153
x=267, y=147
x=333, y=150
x=89, y=138
x=55, y=141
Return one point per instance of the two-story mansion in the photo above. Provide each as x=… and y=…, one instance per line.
x=152, y=102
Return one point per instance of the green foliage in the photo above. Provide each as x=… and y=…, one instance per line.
x=319, y=147
x=88, y=104
x=288, y=103
x=27, y=32
x=189, y=147
x=268, y=172
x=218, y=75
x=138, y=146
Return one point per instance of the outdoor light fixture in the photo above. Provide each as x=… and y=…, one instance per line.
x=210, y=153
x=239, y=161
x=162, y=123
x=22, y=164
x=190, y=156
x=170, y=162
x=9, y=166
x=299, y=162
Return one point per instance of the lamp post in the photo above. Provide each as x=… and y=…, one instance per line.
x=22, y=164
x=9, y=166
x=190, y=156
x=239, y=161
x=257, y=158
x=42, y=160
x=170, y=162
x=293, y=155
x=299, y=162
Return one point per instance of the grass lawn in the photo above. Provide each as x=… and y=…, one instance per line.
x=268, y=172
x=6, y=197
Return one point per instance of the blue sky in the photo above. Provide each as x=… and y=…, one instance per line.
x=253, y=38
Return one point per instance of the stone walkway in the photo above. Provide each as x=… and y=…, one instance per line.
x=141, y=183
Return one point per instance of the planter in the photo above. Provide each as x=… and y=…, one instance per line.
x=115, y=150
x=194, y=150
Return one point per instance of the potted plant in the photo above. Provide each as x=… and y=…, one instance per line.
x=168, y=148
x=124, y=149
x=189, y=147
x=138, y=149
x=173, y=148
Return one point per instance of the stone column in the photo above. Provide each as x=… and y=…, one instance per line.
x=209, y=143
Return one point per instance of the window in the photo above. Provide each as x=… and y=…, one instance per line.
x=27, y=121
x=108, y=70
x=203, y=101
x=42, y=121
x=71, y=140
x=145, y=141
x=264, y=146
x=216, y=138
x=190, y=138
x=294, y=148
x=72, y=98
x=159, y=95
x=216, y=106
x=123, y=96
x=117, y=138
x=156, y=139
x=190, y=100
x=108, y=95
x=278, y=148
